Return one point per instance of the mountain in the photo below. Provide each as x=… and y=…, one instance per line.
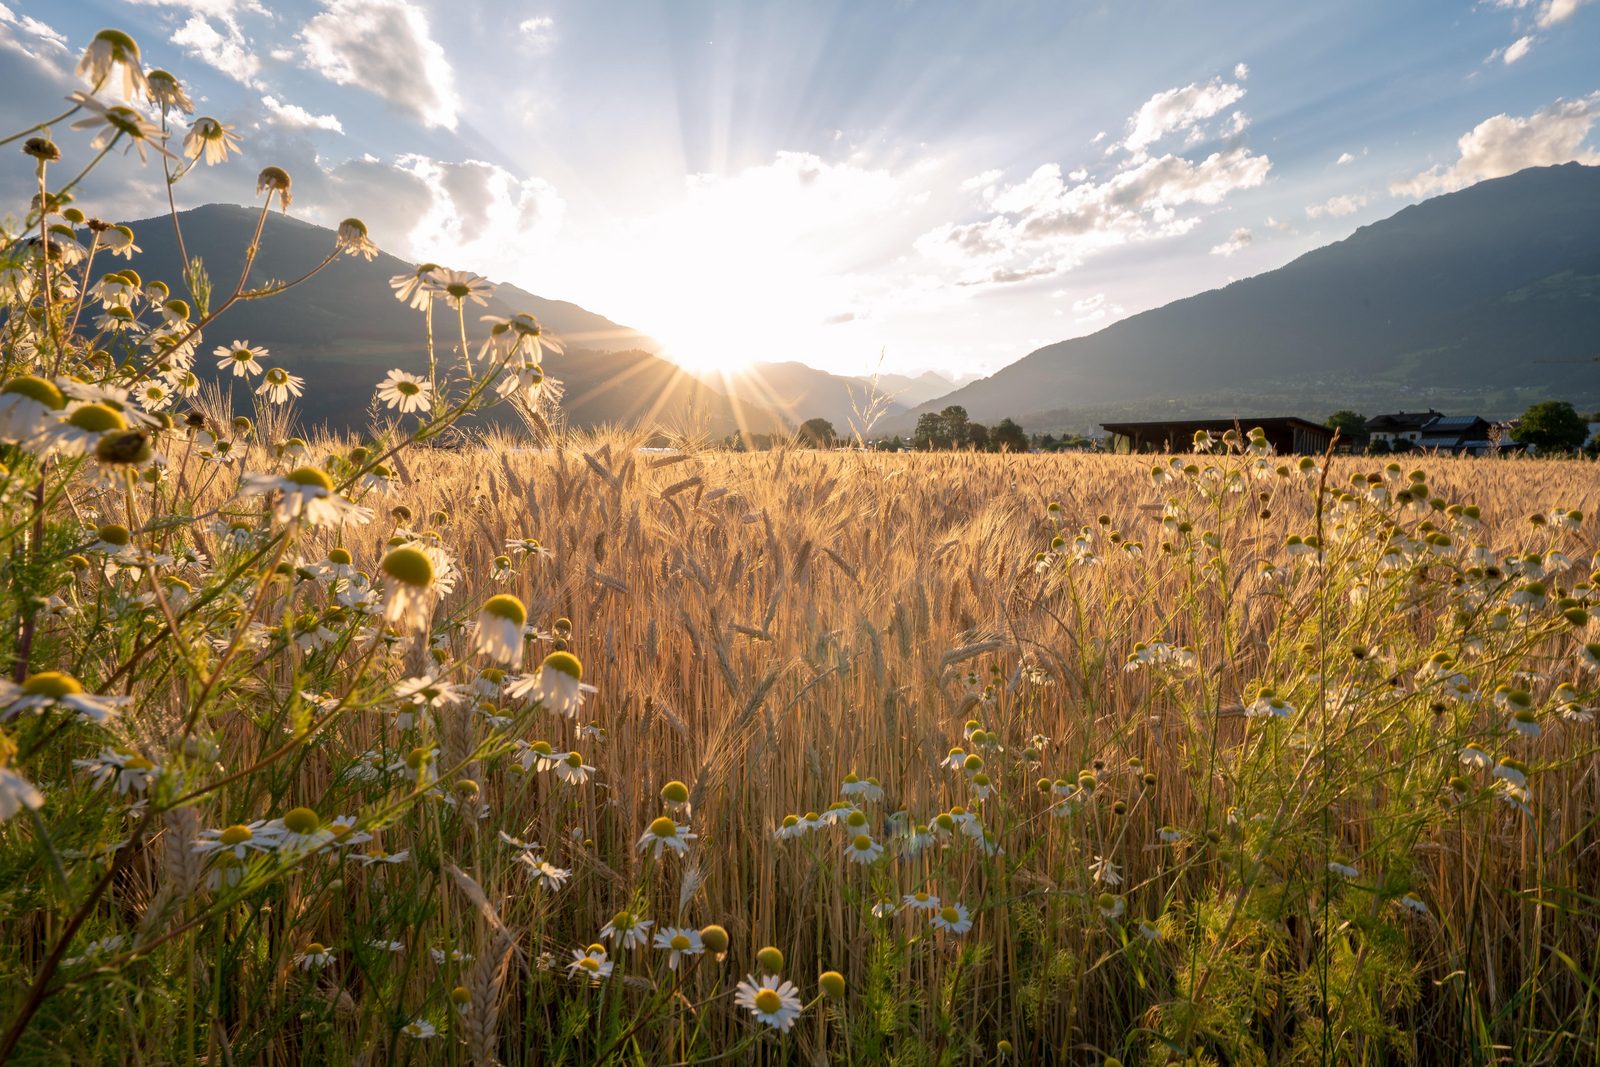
x=800, y=392
x=344, y=329
x=919, y=390
x=1478, y=301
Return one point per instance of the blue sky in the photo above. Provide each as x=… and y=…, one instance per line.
x=939, y=185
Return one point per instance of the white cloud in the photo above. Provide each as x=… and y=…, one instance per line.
x=1504, y=144
x=46, y=38
x=1095, y=308
x=1555, y=12
x=538, y=31
x=1241, y=72
x=1281, y=227
x=1344, y=157
x=1044, y=225
x=385, y=47
x=1180, y=110
x=1517, y=49
x=1237, y=241
x=982, y=181
x=227, y=49
x=294, y=117
x=1334, y=206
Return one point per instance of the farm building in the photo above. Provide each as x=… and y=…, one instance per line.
x=1288, y=436
x=1435, y=432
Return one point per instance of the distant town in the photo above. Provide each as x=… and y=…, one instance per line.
x=1551, y=427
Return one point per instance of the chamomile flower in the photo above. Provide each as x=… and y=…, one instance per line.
x=773, y=1002
x=412, y=288
x=167, y=93
x=1105, y=871
x=279, y=385
x=590, y=964
x=541, y=872
x=679, y=941
x=419, y=1030
x=572, y=770
x=557, y=685
x=315, y=957
x=627, y=930
x=238, y=840
x=920, y=901
x=128, y=771
x=498, y=629
x=855, y=788
x=456, y=287
x=665, y=835
x=951, y=919
x=409, y=588
x=351, y=239
x=305, y=493
x=49, y=690
x=862, y=849
x=110, y=53
x=209, y=141
x=29, y=407
x=406, y=392
x=1110, y=905
x=1343, y=870
x=17, y=793
x=243, y=358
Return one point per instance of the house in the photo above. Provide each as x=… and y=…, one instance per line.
x=1404, y=426
x=1433, y=431
x=1288, y=436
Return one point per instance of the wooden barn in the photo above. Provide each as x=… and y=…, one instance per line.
x=1289, y=436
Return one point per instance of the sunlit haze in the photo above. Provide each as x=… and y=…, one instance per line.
x=945, y=186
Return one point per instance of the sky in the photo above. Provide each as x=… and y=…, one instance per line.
x=896, y=185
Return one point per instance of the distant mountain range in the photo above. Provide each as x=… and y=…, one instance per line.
x=344, y=330
x=800, y=392
x=1479, y=301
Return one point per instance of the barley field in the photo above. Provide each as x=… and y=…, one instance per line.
x=1156, y=860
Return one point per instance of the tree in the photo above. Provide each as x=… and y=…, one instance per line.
x=1009, y=436
x=1552, y=426
x=818, y=433
x=956, y=425
x=1352, y=426
x=978, y=437
x=929, y=432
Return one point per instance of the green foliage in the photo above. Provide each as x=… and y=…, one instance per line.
x=1551, y=426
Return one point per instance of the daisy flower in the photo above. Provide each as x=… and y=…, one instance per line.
x=378, y=855
x=557, y=685
x=412, y=288
x=238, y=840
x=590, y=963
x=680, y=942
x=543, y=873
x=627, y=930
x=315, y=957
x=352, y=240
x=952, y=919
x=1105, y=871
x=920, y=901
x=167, y=93
x=245, y=360
x=1343, y=870
x=775, y=1003
x=128, y=770
x=16, y=793
x=305, y=492
x=572, y=770
x=406, y=392
x=457, y=287
x=854, y=787
x=408, y=587
x=497, y=633
x=56, y=689
x=791, y=827
x=109, y=53
x=1111, y=905
x=862, y=849
x=537, y=756
x=210, y=140
x=29, y=407
x=279, y=385
x=419, y=1030
x=664, y=835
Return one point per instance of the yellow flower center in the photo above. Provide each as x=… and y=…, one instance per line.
x=768, y=1001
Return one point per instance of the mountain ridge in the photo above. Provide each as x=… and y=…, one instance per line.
x=1434, y=303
